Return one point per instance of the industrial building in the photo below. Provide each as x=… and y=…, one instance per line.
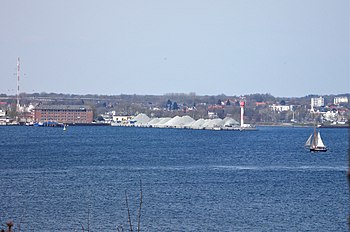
x=70, y=114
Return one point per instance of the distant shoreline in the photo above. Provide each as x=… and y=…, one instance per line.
x=301, y=125
x=257, y=125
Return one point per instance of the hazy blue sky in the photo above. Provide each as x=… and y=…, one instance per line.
x=283, y=47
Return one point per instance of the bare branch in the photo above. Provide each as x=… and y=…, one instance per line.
x=127, y=206
x=9, y=225
x=88, y=219
x=120, y=228
x=140, y=206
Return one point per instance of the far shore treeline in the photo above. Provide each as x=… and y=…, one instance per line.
x=259, y=108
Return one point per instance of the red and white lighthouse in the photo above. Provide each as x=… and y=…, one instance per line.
x=242, y=104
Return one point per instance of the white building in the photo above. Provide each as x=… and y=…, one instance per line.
x=122, y=119
x=212, y=115
x=2, y=113
x=339, y=100
x=331, y=116
x=280, y=108
x=317, y=102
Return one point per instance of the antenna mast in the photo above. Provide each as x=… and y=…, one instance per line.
x=18, y=74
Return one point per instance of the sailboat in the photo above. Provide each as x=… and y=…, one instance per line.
x=315, y=142
x=64, y=127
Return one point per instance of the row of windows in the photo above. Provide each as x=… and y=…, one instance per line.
x=65, y=110
x=46, y=116
x=62, y=119
x=63, y=114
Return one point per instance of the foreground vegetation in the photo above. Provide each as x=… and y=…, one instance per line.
x=11, y=227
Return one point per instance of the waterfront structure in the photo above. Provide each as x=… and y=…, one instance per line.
x=70, y=114
x=183, y=122
x=122, y=119
x=242, y=105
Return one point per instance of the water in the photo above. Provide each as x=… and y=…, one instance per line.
x=192, y=180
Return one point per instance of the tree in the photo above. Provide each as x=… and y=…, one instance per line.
x=169, y=104
x=175, y=106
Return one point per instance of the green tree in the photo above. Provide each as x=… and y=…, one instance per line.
x=169, y=104
x=175, y=106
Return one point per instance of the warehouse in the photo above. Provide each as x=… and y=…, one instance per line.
x=70, y=114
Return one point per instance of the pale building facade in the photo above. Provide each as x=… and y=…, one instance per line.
x=340, y=100
x=317, y=102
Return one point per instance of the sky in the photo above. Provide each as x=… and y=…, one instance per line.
x=288, y=48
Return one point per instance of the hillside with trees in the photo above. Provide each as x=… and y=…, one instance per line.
x=259, y=107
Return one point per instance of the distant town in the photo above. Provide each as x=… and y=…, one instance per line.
x=259, y=109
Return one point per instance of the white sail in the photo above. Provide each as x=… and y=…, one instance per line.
x=319, y=141
x=308, y=141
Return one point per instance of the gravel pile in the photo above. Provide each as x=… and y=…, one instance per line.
x=230, y=122
x=153, y=121
x=186, y=122
x=198, y=124
x=141, y=120
x=213, y=123
x=179, y=122
x=172, y=122
x=161, y=122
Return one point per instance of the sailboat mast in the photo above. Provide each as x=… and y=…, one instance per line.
x=314, y=143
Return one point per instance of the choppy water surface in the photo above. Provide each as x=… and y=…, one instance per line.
x=192, y=180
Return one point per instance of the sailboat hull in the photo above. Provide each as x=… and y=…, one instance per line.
x=318, y=149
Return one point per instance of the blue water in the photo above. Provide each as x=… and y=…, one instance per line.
x=192, y=180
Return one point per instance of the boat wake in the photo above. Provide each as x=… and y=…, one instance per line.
x=287, y=168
